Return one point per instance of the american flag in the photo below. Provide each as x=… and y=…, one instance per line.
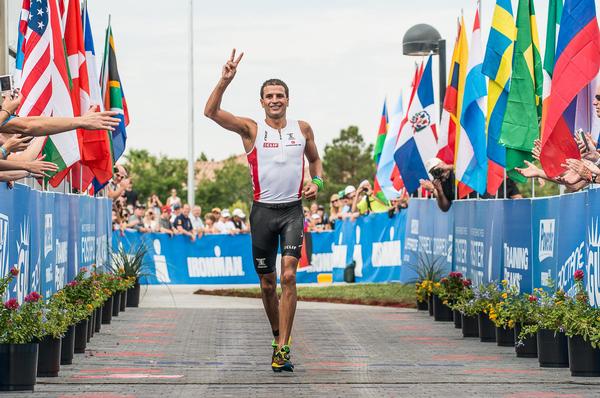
x=44, y=78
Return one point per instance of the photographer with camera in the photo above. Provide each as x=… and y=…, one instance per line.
x=365, y=202
x=441, y=182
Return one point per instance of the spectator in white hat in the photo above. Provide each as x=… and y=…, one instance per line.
x=238, y=221
x=225, y=225
x=348, y=197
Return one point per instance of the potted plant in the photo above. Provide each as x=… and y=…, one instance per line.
x=80, y=294
x=504, y=314
x=548, y=327
x=422, y=294
x=18, y=349
x=582, y=327
x=468, y=311
x=486, y=297
x=56, y=320
x=131, y=265
x=451, y=287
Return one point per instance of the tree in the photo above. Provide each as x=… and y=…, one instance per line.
x=346, y=161
x=232, y=184
x=156, y=175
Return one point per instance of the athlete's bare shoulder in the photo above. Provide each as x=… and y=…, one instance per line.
x=307, y=131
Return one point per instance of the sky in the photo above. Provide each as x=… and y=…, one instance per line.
x=340, y=59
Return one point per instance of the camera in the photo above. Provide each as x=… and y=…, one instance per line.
x=6, y=84
x=437, y=172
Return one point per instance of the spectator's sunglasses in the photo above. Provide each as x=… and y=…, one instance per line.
x=597, y=97
x=333, y=201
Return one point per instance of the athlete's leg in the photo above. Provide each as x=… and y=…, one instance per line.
x=287, y=304
x=268, y=287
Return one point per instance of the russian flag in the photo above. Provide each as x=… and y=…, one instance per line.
x=577, y=62
x=471, y=158
x=417, y=141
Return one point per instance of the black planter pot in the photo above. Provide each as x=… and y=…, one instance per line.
x=457, y=319
x=133, y=295
x=505, y=337
x=469, y=325
x=92, y=324
x=49, y=357
x=116, y=304
x=98, y=319
x=123, y=300
x=18, y=366
x=553, y=349
x=527, y=347
x=422, y=305
x=68, y=346
x=430, y=305
x=441, y=312
x=89, y=329
x=487, y=329
x=584, y=360
x=81, y=329
x=107, y=311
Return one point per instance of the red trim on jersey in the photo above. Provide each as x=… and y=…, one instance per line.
x=253, y=162
x=301, y=179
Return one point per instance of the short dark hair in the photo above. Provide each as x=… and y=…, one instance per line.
x=275, y=82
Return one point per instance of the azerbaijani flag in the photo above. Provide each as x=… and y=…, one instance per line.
x=497, y=65
x=577, y=62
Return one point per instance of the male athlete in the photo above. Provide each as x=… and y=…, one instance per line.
x=275, y=147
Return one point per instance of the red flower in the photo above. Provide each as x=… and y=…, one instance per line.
x=11, y=304
x=444, y=280
x=532, y=298
x=578, y=275
x=467, y=283
x=456, y=275
x=72, y=284
x=14, y=271
x=32, y=297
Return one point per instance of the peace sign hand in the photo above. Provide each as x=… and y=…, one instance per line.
x=230, y=68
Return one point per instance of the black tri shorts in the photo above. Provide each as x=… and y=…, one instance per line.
x=272, y=225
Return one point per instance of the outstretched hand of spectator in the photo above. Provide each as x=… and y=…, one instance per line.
x=591, y=154
x=530, y=171
x=579, y=167
x=569, y=177
x=39, y=167
x=17, y=143
x=93, y=120
x=11, y=102
x=537, y=149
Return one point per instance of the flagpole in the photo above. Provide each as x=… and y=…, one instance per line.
x=191, y=168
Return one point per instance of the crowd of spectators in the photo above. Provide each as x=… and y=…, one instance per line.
x=173, y=217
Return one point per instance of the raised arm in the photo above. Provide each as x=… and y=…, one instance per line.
x=241, y=125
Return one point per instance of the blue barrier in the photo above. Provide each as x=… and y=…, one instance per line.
x=525, y=241
x=50, y=236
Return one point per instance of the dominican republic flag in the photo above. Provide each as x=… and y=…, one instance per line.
x=471, y=156
x=577, y=62
x=417, y=141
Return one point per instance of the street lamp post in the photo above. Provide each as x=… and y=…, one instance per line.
x=421, y=40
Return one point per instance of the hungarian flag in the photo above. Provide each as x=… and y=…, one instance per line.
x=577, y=61
x=113, y=99
x=520, y=126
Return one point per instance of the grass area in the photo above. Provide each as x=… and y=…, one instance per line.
x=385, y=294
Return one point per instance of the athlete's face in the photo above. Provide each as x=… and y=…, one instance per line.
x=274, y=101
